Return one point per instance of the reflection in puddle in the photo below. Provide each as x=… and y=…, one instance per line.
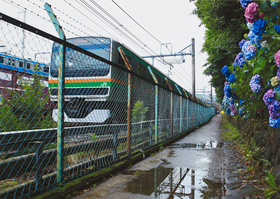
x=200, y=145
x=169, y=183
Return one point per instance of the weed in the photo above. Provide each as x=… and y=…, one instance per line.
x=161, y=148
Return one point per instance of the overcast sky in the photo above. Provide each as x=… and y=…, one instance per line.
x=164, y=21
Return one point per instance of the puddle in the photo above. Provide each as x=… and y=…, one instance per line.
x=167, y=183
x=199, y=145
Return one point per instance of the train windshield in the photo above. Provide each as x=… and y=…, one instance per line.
x=80, y=65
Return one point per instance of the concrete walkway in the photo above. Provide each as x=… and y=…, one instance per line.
x=200, y=165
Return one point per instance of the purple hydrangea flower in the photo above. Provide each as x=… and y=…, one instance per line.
x=269, y=97
x=225, y=71
x=256, y=83
x=273, y=109
x=278, y=72
x=232, y=106
x=233, y=112
x=239, y=60
x=250, y=52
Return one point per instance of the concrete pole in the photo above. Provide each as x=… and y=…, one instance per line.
x=193, y=67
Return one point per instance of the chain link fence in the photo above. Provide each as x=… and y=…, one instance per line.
x=66, y=111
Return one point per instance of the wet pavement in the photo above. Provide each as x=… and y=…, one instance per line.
x=200, y=165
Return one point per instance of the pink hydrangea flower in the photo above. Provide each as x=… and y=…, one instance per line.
x=277, y=58
x=262, y=15
x=251, y=12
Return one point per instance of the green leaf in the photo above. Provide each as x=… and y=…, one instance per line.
x=277, y=96
x=257, y=69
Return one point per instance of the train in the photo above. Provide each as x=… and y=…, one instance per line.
x=14, y=70
x=96, y=92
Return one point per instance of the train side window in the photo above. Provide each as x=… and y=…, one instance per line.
x=1, y=60
x=20, y=64
x=28, y=66
x=11, y=62
x=46, y=69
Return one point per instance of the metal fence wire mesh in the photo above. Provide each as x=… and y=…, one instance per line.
x=107, y=109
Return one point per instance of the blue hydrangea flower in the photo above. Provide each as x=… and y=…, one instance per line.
x=250, y=52
x=241, y=102
x=276, y=88
x=244, y=3
x=225, y=71
x=241, y=43
x=277, y=29
x=232, y=101
x=274, y=122
x=273, y=3
x=245, y=45
x=227, y=91
x=231, y=78
x=259, y=27
x=254, y=38
x=256, y=83
x=241, y=111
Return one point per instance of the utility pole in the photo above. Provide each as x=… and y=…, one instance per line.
x=193, y=67
x=211, y=95
x=23, y=33
x=181, y=53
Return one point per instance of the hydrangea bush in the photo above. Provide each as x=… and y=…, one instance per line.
x=252, y=89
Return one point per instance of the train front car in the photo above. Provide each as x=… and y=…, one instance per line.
x=87, y=81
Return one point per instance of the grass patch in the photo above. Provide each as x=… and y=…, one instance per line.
x=258, y=169
x=230, y=132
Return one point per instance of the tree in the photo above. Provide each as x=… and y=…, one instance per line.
x=27, y=108
x=225, y=25
x=138, y=112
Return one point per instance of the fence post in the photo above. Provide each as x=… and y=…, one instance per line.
x=171, y=115
x=171, y=107
x=128, y=134
x=187, y=114
x=180, y=110
x=167, y=130
x=115, y=146
x=156, y=104
x=151, y=135
x=156, y=116
x=61, y=86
